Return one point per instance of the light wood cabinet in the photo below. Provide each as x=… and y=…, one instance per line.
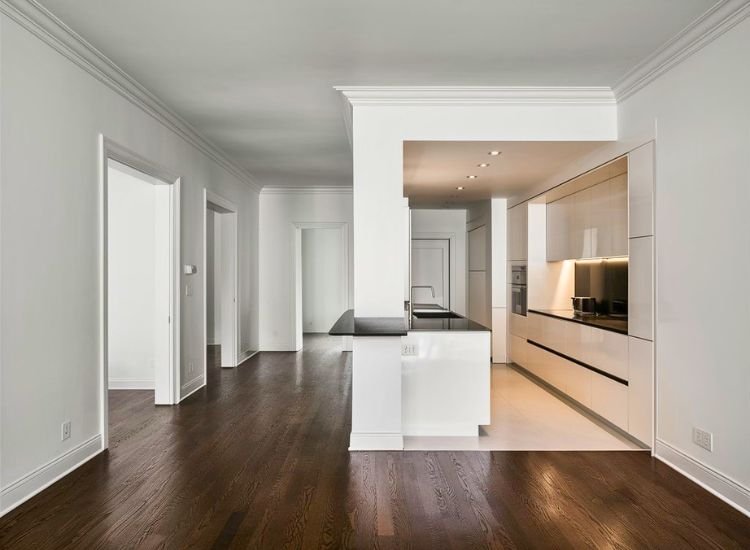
x=518, y=229
x=592, y=223
x=641, y=389
x=641, y=191
x=641, y=288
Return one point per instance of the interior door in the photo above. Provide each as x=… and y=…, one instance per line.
x=430, y=266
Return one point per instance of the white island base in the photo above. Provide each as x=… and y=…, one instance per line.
x=446, y=385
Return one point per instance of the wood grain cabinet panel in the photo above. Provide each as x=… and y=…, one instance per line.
x=641, y=191
x=641, y=390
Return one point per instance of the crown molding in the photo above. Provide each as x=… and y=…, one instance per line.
x=329, y=190
x=475, y=95
x=722, y=17
x=43, y=24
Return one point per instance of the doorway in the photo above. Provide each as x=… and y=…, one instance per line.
x=140, y=281
x=430, y=272
x=221, y=297
x=321, y=277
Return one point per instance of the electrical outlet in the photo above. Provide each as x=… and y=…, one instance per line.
x=703, y=439
x=409, y=349
x=65, y=432
x=188, y=290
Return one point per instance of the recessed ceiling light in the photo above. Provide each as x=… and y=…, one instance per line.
x=471, y=177
x=483, y=165
x=494, y=153
x=460, y=188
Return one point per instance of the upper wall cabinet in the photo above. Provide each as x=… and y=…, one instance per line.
x=518, y=231
x=590, y=223
x=641, y=190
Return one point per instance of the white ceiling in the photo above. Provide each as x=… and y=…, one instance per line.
x=256, y=76
x=434, y=169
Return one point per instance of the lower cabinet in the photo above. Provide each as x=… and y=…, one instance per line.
x=641, y=389
x=627, y=406
x=609, y=399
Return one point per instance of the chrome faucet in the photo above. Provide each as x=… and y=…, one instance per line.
x=411, y=296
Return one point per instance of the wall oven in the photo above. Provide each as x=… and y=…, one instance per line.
x=518, y=290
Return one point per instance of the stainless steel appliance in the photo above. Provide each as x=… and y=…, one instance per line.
x=518, y=289
x=584, y=305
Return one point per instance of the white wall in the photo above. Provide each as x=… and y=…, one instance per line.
x=443, y=224
x=133, y=276
x=323, y=300
x=700, y=115
x=53, y=112
x=279, y=211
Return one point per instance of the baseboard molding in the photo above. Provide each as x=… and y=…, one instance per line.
x=130, y=384
x=189, y=388
x=376, y=442
x=39, y=479
x=714, y=482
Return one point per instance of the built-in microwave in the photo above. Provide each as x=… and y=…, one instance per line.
x=518, y=290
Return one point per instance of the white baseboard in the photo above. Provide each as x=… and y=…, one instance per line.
x=451, y=430
x=376, y=442
x=39, y=479
x=189, y=388
x=131, y=384
x=714, y=482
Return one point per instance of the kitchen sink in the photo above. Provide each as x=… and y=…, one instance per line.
x=436, y=314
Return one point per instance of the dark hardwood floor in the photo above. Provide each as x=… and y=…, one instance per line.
x=259, y=460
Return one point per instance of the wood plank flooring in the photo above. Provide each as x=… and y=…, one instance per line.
x=258, y=459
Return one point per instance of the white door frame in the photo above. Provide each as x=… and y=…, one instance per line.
x=110, y=150
x=230, y=337
x=452, y=261
x=295, y=314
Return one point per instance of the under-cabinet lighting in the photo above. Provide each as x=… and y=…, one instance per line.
x=471, y=177
x=494, y=153
x=483, y=165
x=459, y=188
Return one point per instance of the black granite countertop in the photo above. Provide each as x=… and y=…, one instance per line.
x=349, y=325
x=604, y=322
x=458, y=324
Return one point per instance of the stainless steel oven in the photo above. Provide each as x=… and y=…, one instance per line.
x=518, y=290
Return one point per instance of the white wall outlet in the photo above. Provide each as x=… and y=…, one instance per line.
x=409, y=348
x=703, y=439
x=65, y=430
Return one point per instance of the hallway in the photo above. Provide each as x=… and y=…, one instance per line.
x=258, y=459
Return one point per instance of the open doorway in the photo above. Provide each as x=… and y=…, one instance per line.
x=321, y=277
x=221, y=319
x=140, y=282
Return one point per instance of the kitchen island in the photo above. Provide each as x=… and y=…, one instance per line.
x=445, y=369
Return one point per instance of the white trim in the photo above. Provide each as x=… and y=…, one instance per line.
x=376, y=442
x=43, y=24
x=716, y=483
x=189, y=388
x=131, y=384
x=330, y=190
x=477, y=95
x=441, y=430
x=231, y=208
x=21, y=490
x=110, y=150
x=712, y=24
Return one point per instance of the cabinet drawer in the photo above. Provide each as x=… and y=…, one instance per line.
x=605, y=350
x=518, y=350
x=534, y=327
x=641, y=390
x=609, y=399
x=518, y=325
